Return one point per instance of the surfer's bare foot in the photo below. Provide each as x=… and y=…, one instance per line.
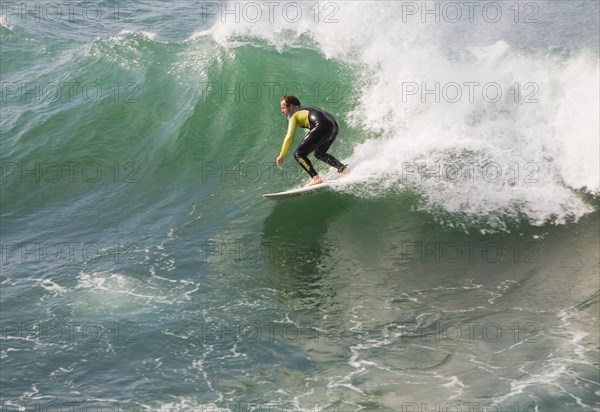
x=345, y=171
x=315, y=181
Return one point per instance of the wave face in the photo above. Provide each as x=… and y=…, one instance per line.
x=456, y=268
x=477, y=112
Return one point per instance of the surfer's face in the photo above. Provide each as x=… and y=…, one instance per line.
x=285, y=109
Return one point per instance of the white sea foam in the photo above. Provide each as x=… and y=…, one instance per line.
x=146, y=34
x=489, y=128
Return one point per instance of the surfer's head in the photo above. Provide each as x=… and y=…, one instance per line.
x=287, y=103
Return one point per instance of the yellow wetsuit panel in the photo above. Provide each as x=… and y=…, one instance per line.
x=299, y=118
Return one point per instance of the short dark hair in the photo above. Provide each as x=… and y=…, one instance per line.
x=290, y=99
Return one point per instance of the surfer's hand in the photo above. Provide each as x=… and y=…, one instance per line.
x=279, y=161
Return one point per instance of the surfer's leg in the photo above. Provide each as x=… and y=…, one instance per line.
x=319, y=139
x=308, y=145
x=321, y=154
x=321, y=151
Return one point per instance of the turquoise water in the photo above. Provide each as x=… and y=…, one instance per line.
x=456, y=268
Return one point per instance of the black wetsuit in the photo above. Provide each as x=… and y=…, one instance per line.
x=323, y=129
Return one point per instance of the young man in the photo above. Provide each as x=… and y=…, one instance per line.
x=323, y=129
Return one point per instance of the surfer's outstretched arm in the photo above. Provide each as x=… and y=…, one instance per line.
x=288, y=110
x=288, y=139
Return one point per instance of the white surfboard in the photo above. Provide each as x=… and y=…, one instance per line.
x=301, y=191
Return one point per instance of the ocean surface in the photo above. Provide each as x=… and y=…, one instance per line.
x=455, y=269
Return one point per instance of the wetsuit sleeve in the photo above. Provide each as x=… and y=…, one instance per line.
x=289, y=137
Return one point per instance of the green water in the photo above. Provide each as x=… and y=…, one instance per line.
x=143, y=270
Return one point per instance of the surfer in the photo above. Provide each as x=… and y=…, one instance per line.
x=323, y=129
